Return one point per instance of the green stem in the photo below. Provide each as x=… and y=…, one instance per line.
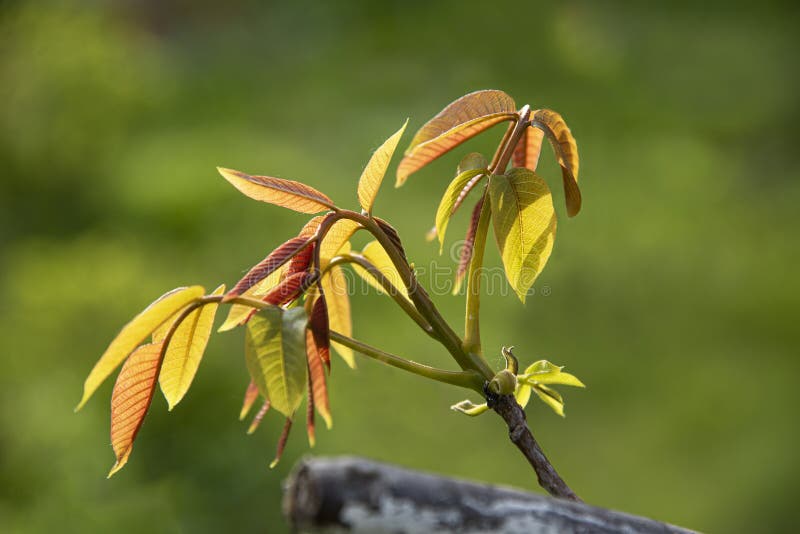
x=387, y=286
x=465, y=379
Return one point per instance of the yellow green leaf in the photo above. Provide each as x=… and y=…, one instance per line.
x=458, y=122
x=250, y=396
x=285, y=193
x=451, y=195
x=239, y=312
x=334, y=286
x=524, y=225
x=470, y=408
x=131, y=398
x=550, y=397
x=544, y=372
x=185, y=351
x=135, y=332
x=373, y=174
x=335, y=240
x=566, y=150
x=275, y=351
x=377, y=256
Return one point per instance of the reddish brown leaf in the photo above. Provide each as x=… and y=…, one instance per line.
x=250, y=397
x=526, y=153
x=265, y=267
x=469, y=243
x=319, y=326
x=459, y=121
x=131, y=398
x=259, y=416
x=282, y=442
x=465, y=191
x=392, y=234
x=317, y=382
x=301, y=261
x=310, y=426
x=285, y=193
x=566, y=150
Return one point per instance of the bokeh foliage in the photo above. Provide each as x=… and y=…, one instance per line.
x=673, y=294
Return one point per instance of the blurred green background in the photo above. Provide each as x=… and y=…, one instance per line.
x=674, y=294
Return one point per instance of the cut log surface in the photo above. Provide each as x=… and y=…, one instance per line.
x=349, y=494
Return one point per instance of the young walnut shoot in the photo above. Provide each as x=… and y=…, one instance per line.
x=294, y=304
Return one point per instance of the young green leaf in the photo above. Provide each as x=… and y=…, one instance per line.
x=135, y=332
x=461, y=120
x=524, y=225
x=447, y=204
x=550, y=397
x=131, y=398
x=566, y=150
x=371, y=178
x=334, y=285
x=275, y=351
x=544, y=372
x=470, y=408
x=285, y=193
x=276, y=259
x=185, y=351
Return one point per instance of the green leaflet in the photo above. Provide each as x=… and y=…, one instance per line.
x=275, y=352
x=524, y=225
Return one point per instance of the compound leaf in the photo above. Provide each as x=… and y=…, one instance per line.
x=135, y=332
x=524, y=225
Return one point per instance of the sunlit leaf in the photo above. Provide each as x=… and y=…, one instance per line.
x=449, y=199
x=185, y=351
x=131, y=398
x=544, y=372
x=282, y=442
x=338, y=235
x=268, y=265
x=310, y=422
x=566, y=150
x=285, y=193
x=459, y=121
x=238, y=313
x=465, y=254
x=377, y=256
x=371, y=178
x=250, y=396
x=275, y=351
x=259, y=417
x=470, y=408
x=135, y=332
x=524, y=225
x=334, y=285
x=318, y=388
x=526, y=153
x=471, y=162
x=550, y=397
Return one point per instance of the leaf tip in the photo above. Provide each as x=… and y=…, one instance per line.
x=274, y=462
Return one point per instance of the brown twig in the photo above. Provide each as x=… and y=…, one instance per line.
x=520, y=435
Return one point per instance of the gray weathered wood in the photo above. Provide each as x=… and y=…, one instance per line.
x=358, y=495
